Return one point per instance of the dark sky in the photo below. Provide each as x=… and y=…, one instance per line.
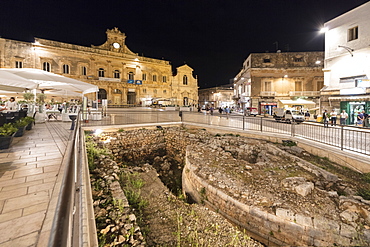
x=212, y=36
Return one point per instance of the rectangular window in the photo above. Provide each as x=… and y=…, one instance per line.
x=19, y=64
x=298, y=59
x=266, y=60
x=298, y=86
x=352, y=33
x=268, y=86
x=164, y=78
x=83, y=70
x=144, y=77
x=154, y=77
x=144, y=90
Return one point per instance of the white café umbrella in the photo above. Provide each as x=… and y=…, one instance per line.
x=50, y=81
x=12, y=83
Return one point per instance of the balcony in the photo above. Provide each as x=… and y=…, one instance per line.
x=305, y=93
x=268, y=93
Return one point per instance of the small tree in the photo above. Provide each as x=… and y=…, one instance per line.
x=28, y=96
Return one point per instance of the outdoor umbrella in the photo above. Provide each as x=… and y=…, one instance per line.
x=14, y=83
x=49, y=81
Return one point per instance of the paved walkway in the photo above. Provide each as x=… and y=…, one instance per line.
x=29, y=174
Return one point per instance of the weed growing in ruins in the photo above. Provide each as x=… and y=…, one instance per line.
x=121, y=130
x=93, y=151
x=131, y=185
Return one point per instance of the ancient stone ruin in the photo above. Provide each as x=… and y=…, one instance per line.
x=280, y=194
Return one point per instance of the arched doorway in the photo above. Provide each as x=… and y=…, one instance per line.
x=102, y=94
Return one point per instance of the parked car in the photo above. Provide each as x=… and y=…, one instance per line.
x=250, y=111
x=288, y=115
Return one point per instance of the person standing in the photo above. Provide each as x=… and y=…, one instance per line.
x=343, y=117
x=366, y=119
x=11, y=104
x=360, y=119
x=333, y=117
x=325, y=117
x=307, y=115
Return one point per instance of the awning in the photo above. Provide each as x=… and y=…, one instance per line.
x=44, y=80
x=351, y=98
x=297, y=102
x=13, y=83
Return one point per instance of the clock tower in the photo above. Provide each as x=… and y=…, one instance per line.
x=115, y=42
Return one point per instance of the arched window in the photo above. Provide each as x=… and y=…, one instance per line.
x=83, y=70
x=101, y=72
x=102, y=94
x=131, y=75
x=116, y=74
x=185, y=80
x=117, y=91
x=46, y=66
x=65, y=69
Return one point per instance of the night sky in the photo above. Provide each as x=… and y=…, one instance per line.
x=212, y=36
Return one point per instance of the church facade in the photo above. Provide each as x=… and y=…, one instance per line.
x=123, y=77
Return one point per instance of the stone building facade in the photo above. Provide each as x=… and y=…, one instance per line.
x=217, y=96
x=269, y=80
x=123, y=77
x=347, y=63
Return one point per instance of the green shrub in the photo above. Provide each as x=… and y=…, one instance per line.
x=8, y=129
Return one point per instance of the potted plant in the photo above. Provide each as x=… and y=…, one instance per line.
x=7, y=132
x=30, y=121
x=21, y=124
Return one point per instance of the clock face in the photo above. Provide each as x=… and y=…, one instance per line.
x=116, y=45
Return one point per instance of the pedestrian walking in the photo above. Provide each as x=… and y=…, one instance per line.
x=220, y=110
x=333, y=117
x=211, y=110
x=227, y=111
x=343, y=117
x=325, y=117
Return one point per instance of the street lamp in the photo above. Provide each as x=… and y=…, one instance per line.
x=350, y=50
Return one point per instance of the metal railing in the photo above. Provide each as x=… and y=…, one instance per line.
x=74, y=222
x=345, y=137
x=136, y=117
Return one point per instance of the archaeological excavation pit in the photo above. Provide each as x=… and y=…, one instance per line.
x=280, y=194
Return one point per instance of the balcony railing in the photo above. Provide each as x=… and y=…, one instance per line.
x=268, y=93
x=305, y=93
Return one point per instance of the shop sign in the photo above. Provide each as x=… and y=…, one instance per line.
x=131, y=81
x=138, y=82
x=268, y=103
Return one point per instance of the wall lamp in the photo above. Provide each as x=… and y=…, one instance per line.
x=350, y=50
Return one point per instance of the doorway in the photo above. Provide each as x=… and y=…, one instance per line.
x=131, y=98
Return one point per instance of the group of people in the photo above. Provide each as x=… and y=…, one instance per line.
x=221, y=110
x=361, y=118
x=10, y=105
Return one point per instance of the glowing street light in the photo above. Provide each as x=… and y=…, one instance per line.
x=324, y=30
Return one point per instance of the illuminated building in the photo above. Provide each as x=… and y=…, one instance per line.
x=123, y=77
x=347, y=62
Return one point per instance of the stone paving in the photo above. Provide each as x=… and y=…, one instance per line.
x=29, y=175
